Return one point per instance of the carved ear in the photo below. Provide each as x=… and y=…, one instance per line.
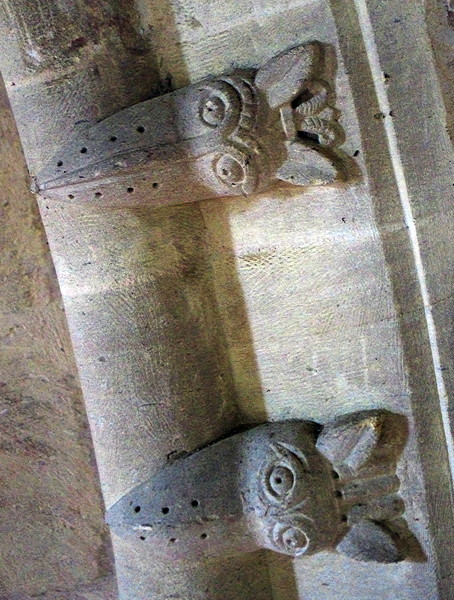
x=283, y=77
x=387, y=542
x=364, y=440
x=371, y=542
x=306, y=166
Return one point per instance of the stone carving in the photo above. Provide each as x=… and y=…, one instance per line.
x=231, y=105
x=233, y=135
x=292, y=487
x=295, y=494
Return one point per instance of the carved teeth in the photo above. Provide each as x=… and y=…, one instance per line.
x=363, y=489
x=328, y=133
x=314, y=98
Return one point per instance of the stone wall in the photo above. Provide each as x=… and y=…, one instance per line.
x=52, y=535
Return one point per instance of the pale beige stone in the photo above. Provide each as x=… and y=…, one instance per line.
x=289, y=304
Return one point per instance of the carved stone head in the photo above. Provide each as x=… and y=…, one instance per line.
x=231, y=135
x=293, y=487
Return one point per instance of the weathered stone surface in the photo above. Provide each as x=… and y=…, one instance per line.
x=51, y=515
x=104, y=588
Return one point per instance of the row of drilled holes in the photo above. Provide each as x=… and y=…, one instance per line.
x=203, y=536
x=130, y=190
x=165, y=511
x=113, y=138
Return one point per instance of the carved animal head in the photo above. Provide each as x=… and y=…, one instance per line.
x=231, y=135
x=291, y=487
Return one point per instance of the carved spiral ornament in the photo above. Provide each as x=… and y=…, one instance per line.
x=230, y=106
x=284, y=495
x=282, y=479
x=290, y=538
x=219, y=105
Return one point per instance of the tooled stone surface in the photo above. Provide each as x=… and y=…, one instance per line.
x=233, y=135
x=292, y=487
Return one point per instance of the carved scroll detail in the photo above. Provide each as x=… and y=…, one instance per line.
x=283, y=495
x=231, y=105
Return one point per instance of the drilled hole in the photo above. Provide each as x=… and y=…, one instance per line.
x=195, y=503
x=303, y=97
x=83, y=150
x=165, y=510
x=60, y=163
x=142, y=537
x=172, y=540
x=204, y=536
x=98, y=194
x=338, y=494
x=155, y=185
x=137, y=509
x=278, y=480
x=335, y=475
x=113, y=138
x=309, y=137
x=70, y=196
x=344, y=518
x=130, y=190
x=140, y=129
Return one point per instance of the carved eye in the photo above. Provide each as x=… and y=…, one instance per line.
x=230, y=170
x=281, y=480
x=291, y=539
x=213, y=111
x=220, y=104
